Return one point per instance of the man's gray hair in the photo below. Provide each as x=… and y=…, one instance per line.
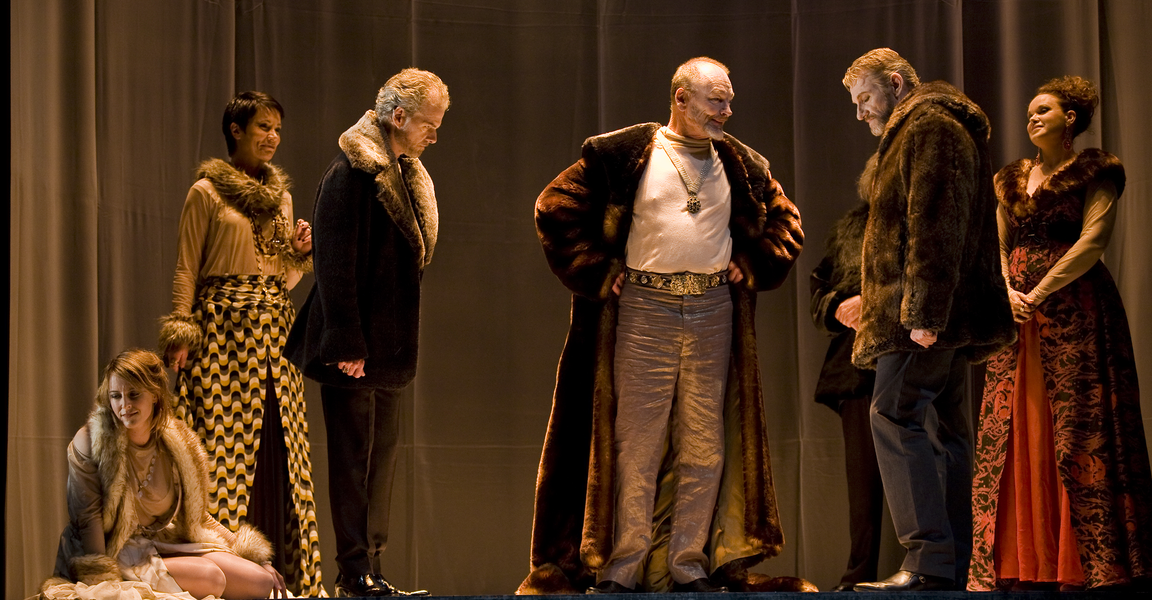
x=689, y=72
x=409, y=89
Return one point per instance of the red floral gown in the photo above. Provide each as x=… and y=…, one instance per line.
x=1061, y=447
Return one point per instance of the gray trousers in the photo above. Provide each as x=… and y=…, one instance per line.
x=923, y=447
x=671, y=369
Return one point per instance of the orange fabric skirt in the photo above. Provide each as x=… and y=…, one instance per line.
x=1034, y=536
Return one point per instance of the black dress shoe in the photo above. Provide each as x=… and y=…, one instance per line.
x=609, y=587
x=907, y=581
x=370, y=585
x=698, y=586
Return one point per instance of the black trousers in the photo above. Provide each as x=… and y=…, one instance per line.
x=865, y=490
x=924, y=450
x=363, y=431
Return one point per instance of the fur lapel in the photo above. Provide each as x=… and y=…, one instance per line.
x=109, y=447
x=247, y=195
x=624, y=152
x=1091, y=165
x=368, y=151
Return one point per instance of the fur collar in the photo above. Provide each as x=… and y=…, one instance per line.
x=368, y=151
x=944, y=96
x=109, y=449
x=244, y=193
x=1090, y=166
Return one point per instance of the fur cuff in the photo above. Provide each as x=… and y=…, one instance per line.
x=179, y=330
x=91, y=569
x=252, y=545
x=296, y=260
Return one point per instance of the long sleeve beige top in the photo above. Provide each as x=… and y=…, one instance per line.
x=1099, y=220
x=216, y=239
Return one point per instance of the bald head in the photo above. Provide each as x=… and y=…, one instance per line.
x=701, y=99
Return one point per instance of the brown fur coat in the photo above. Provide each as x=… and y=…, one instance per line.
x=104, y=442
x=583, y=219
x=931, y=252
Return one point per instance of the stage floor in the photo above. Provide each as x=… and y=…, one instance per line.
x=848, y=595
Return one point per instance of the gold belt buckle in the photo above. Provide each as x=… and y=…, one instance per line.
x=689, y=284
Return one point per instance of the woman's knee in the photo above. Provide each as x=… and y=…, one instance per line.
x=199, y=576
x=263, y=582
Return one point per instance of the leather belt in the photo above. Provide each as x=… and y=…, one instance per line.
x=681, y=284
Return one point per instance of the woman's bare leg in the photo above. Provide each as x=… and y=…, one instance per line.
x=197, y=575
x=244, y=578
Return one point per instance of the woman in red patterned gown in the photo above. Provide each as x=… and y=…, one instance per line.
x=1062, y=495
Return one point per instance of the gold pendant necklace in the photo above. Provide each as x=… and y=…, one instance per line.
x=693, y=185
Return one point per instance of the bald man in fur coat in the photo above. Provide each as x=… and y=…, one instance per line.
x=610, y=226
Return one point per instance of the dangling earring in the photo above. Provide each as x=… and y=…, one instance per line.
x=1068, y=137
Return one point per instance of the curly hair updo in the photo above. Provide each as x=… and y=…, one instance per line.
x=1076, y=94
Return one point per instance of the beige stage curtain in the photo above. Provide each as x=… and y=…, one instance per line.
x=113, y=103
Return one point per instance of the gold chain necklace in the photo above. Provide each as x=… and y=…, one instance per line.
x=693, y=185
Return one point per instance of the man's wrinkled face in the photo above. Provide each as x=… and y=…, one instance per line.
x=413, y=133
x=708, y=105
x=874, y=101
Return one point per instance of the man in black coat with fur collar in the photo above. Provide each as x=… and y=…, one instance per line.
x=932, y=299
x=664, y=235
x=374, y=230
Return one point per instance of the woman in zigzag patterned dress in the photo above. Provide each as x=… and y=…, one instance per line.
x=238, y=256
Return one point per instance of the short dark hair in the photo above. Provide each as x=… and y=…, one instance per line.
x=1076, y=94
x=242, y=108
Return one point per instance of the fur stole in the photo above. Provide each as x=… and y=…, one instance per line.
x=1091, y=166
x=192, y=521
x=368, y=151
x=258, y=201
x=244, y=193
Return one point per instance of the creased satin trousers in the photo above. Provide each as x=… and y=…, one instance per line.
x=671, y=370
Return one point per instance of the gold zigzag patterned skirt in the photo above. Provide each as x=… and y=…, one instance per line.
x=245, y=320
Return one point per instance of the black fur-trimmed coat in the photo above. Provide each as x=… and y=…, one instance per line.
x=111, y=508
x=834, y=280
x=583, y=219
x=374, y=229
x=931, y=252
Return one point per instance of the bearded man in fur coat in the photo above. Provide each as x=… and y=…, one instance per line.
x=932, y=299
x=664, y=235
x=374, y=230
